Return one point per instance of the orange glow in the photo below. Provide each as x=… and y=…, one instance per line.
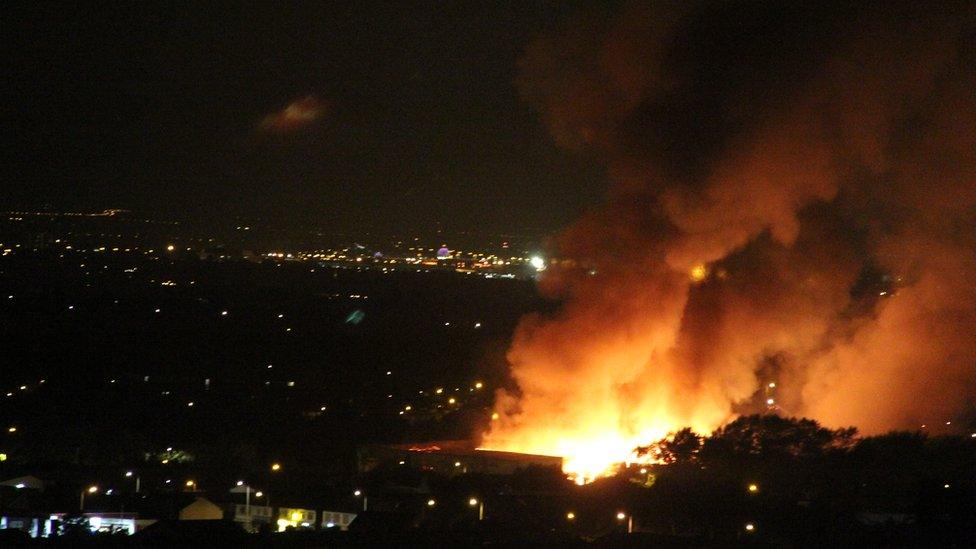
x=588, y=421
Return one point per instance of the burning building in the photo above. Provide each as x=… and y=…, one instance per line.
x=450, y=457
x=767, y=158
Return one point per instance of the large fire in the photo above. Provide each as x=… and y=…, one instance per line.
x=798, y=209
x=623, y=395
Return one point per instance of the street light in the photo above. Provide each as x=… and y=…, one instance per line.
x=630, y=520
x=753, y=488
x=570, y=516
x=130, y=474
x=90, y=490
x=247, y=499
x=191, y=485
x=359, y=493
x=481, y=507
x=275, y=467
x=431, y=502
x=750, y=527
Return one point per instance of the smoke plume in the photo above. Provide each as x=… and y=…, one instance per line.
x=792, y=224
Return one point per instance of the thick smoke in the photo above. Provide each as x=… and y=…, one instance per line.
x=794, y=202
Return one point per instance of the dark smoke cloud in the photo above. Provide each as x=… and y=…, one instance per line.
x=816, y=160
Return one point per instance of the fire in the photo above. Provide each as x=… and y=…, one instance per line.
x=800, y=194
x=590, y=451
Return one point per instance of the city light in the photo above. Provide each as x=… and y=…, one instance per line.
x=258, y=494
x=621, y=515
x=570, y=516
x=190, y=484
x=357, y=493
x=240, y=483
x=431, y=503
x=275, y=466
x=128, y=474
x=750, y=527
x=170, y=248
x=472, y=502
x=753, y=488
x=92, y=489
x=537, y=262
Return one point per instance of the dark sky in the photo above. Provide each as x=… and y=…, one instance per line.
x=160, y=109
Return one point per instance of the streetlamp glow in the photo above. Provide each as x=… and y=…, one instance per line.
x=90, y=490
x=275, y=466
x=359, y=493
x=570, y=516
x=431, y=502
x=621, y=515
x=753, y=488
x=475, y=502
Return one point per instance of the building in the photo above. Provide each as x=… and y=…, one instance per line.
x=337, y=519
x=252, y=517
x=452, y=457
x=293, y=517
x=201, y=509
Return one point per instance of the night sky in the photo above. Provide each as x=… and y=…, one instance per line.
x=405, y=116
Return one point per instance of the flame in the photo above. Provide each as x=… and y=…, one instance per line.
x=699, y=272
x=590, y=451
x=640, y=345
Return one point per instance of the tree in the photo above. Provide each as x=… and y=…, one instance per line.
x=680, y=447
x=771, y=436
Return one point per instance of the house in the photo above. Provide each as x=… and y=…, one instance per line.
x=337, y=519
x=252, y=517
x=201, y=509
x=27, y=482
x=294, y=517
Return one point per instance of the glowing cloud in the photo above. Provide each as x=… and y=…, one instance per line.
x=296, y=115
